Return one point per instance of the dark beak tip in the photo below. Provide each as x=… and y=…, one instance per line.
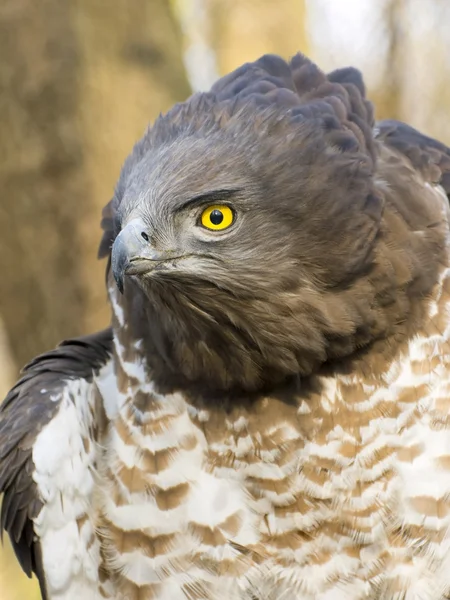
x=119, y=261
x=118, y=274
x=119, y=283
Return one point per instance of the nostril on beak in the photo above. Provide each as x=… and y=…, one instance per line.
x=145, y=236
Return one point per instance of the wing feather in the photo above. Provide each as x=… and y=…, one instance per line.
x=429, y=156
x=27, y=409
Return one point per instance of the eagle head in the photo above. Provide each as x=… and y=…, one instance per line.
x=247, y=227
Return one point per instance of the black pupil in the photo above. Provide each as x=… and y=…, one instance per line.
x=216, y=217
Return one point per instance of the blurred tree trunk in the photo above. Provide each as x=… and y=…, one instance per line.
x=43, y=187
x=243, y=31
x=79, y=82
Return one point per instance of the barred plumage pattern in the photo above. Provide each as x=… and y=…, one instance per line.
x=343, y=489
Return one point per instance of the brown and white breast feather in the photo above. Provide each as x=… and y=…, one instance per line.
x=167, y=516
x=341, y=493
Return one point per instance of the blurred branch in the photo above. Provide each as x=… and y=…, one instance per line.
x=243, y=31
x=388, y=97
x=199, y=55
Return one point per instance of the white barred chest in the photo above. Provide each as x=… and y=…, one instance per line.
x=340, y=493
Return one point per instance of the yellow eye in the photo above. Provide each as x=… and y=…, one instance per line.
x=217, y=217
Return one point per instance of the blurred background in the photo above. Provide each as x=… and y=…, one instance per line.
x=80, y=81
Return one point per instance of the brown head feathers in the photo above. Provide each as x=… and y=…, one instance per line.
x=333, y=244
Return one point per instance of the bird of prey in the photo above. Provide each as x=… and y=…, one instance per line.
x=268, y=416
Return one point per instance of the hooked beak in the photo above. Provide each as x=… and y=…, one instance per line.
x=132, y=252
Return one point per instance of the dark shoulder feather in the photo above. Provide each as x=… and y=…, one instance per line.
x=430, y=157
x=28, y=407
